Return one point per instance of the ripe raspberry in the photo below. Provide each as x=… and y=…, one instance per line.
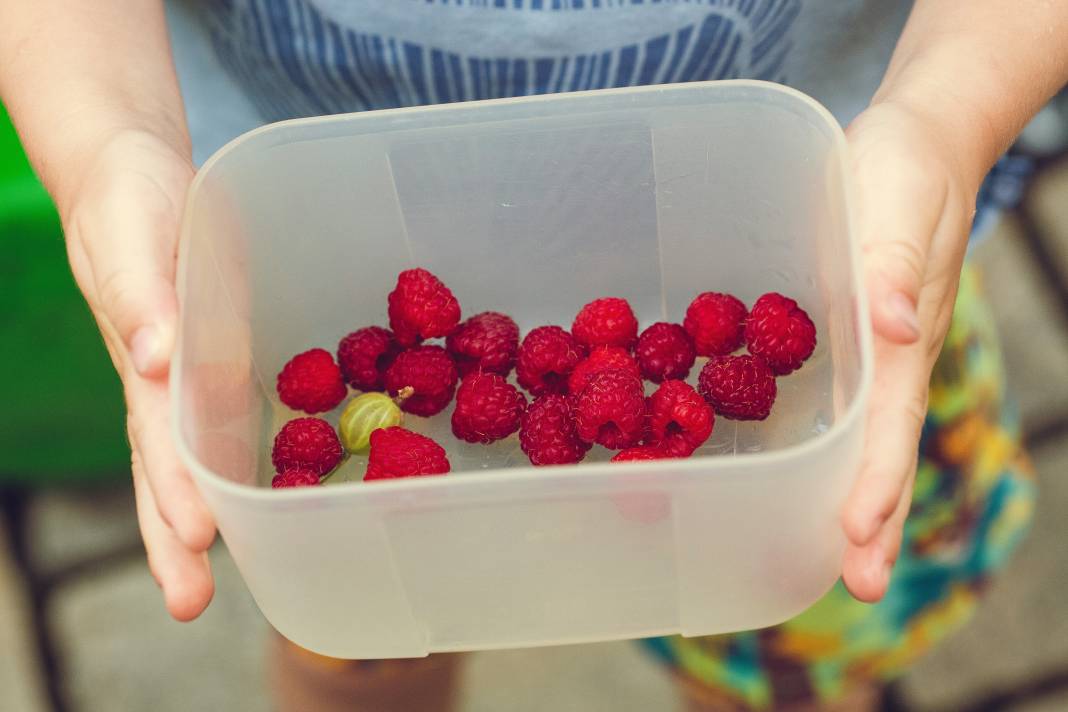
x=431, y=375
x=738, y=387
x=642, y=452
x=486, y=342
x=488, y=408
x=547, y=432
x=716, y=322
x=421, y=307
x=396, y=452
x=364, y=355
x=665, y=351
x=546, y=358
x=610, y=410
x=311, y=382
x=599, y=359
x=780, y=332
x=306, y=444
x=677, y=419
x=606, y=322
x=295, y=478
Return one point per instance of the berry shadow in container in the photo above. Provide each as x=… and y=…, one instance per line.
x=530, y=207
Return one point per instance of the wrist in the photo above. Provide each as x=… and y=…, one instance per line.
x=960, y=128
x=974, y=76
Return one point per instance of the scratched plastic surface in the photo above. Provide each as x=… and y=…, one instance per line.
x=294, y=234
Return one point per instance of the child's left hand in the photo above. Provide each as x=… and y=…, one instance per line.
x=964, y=80
x=913, y=211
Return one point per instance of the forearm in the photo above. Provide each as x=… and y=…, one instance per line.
x=977, y=71
x=73, y=73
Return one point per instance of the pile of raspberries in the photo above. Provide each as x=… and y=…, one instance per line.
x=586, y=386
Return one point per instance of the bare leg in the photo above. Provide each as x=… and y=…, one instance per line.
x=303, y=681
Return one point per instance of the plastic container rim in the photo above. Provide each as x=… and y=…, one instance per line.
x=782, y=456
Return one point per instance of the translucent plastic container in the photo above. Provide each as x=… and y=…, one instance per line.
x=295, y=233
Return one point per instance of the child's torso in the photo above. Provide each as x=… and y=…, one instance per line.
x=303, y=57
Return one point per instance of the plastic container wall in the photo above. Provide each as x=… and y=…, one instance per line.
x=295, y=233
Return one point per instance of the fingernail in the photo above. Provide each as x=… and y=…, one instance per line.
x=143, y=348
x=903, y=308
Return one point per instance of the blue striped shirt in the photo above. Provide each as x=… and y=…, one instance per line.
x=310, y=57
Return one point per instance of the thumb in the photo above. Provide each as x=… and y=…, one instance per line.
x=129, y=239
x=899, y=203
x=141, y=307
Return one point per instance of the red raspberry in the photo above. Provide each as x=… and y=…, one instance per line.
x=431, y=375
x=421, y=307
x=364, y=355
x=546, y=358
x=642, y=452
x=665, y=351
x=296, y=477
x=738, y=387
x=488, y=408
x=311, y=382
x=306, y=444
x=599, y=359
x=780, y=332
x=547, y=432
x=677, y=419
x=716, y=322
x=396, y=452
x=486, y=342
x=610, y=410
x=606, y=322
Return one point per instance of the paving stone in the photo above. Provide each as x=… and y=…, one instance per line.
x=1052, y=703
x=1035, y=341
x=69, y=525
x=124, y=653
x=1051, y=204
x=20, y=681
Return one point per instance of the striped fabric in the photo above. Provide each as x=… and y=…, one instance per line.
x=311, y=57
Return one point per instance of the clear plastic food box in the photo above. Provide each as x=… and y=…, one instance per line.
x=294, y=234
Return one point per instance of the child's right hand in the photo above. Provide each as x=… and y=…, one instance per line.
x=92, y=90
x=121, y=220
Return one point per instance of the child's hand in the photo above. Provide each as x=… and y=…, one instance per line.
x=914, y=206
x=964, y=80
x=92, y=90
x=122, y=231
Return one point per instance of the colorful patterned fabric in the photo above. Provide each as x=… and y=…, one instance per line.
x=973, y=501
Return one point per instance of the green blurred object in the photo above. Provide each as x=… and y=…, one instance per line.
x=63, y=417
